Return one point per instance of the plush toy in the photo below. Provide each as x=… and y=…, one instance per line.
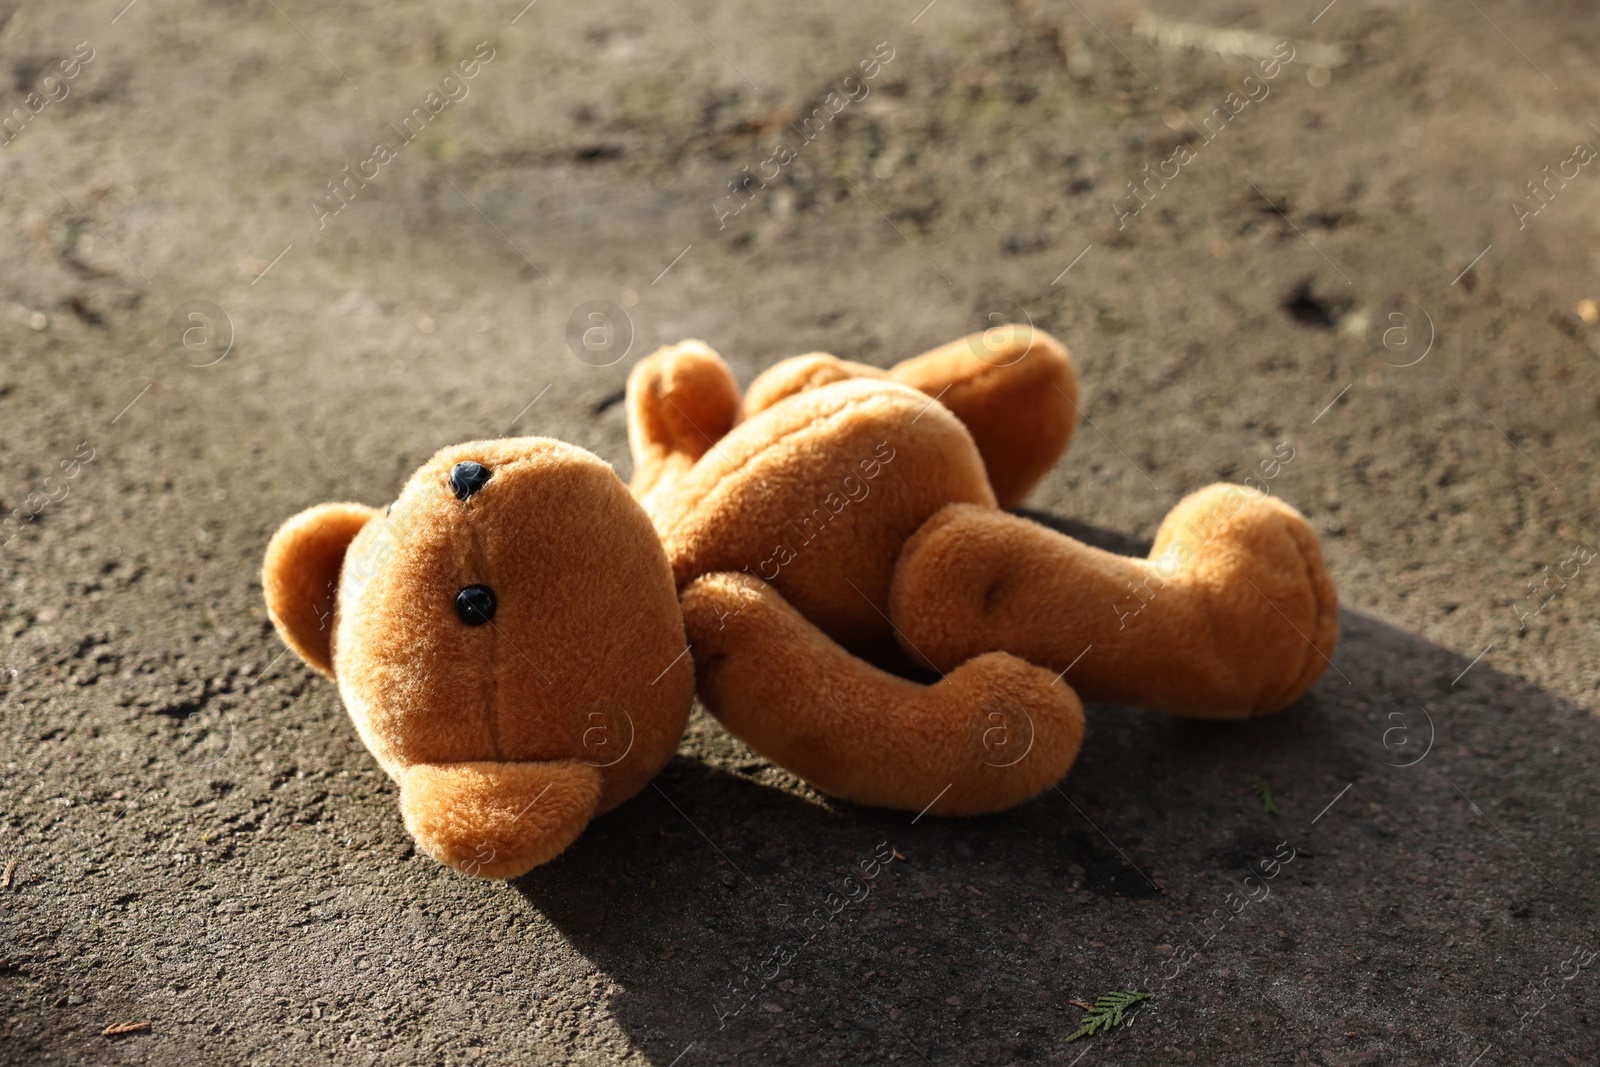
x=519, y=637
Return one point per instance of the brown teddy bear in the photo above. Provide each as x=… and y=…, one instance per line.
x=519, y=637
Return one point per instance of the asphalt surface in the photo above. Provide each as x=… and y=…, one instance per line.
x=194, y=837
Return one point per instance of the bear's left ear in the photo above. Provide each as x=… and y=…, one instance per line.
x=301, y=577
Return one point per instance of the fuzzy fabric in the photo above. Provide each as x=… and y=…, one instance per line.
x=1232, y=615
x=818, y=494
x=301, y=577
x=518, y=637
x=994, y=732
x=579, y=681
x=1013, y=388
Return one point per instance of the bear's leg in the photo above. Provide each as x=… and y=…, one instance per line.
x=681, y=400
x=1233, y=614
x=1013, y=388
x=991, y=734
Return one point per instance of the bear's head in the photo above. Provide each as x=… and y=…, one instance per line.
x=507, y=638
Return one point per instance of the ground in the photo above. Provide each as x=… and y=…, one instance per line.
x=1377, y=257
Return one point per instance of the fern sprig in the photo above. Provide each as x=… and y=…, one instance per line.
x=1264, y=791
x=1107, y=1013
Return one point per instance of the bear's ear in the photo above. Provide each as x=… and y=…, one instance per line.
x=301, y=577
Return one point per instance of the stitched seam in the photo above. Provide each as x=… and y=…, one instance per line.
x=491, y=683
x=814, y=426
x=989, y=370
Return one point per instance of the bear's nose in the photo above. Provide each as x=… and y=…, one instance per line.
x=467, y=478
x=475, y=605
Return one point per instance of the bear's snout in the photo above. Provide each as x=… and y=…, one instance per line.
x=498, y=820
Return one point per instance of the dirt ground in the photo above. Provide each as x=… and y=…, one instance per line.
x=1340, y=256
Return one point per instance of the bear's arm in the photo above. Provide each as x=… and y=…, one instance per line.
x=989, y=735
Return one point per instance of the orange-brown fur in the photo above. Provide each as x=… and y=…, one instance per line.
x=579, y=683
x=788, y=552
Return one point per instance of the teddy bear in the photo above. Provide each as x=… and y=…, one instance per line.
x=826, y=560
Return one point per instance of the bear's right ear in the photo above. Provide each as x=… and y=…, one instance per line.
x=301, y=577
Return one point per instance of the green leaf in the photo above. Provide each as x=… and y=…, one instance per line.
x=1107, y=1013
x=1264, y=791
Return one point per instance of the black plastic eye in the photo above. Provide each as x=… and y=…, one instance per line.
x=475, y=605
x=467, y=478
